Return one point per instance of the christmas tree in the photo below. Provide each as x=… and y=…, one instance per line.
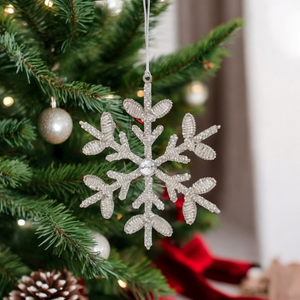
x=87, y=60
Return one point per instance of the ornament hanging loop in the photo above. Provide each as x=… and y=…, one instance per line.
x=147, y=77
x=53, y=102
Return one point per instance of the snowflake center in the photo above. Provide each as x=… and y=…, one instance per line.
x=147, y=167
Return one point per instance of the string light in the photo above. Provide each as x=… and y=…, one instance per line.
x=48, y=3
x=119, y=217
x=109, y=97
x=197, y=88
x=122, y=283
x=140, y=93
x=9, y=9
x=21, y=222
x=8, y=101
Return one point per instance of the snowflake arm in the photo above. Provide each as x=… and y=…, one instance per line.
x=173, y=153
x=148, y=220
x=123, y=151
x=191, y=142
x=173, y=183
x=124, y=181
x=148, y=197
x=105, y=191
x=192, y=194
x=105, y=139
x=152, y=138
x=105, y=194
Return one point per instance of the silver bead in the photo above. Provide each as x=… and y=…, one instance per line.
x=55, y=125
x=147, y=167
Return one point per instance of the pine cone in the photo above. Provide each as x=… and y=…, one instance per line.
x=45, y=285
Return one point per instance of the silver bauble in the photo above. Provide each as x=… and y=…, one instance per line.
x=102, y=246
x=196, y=93
x=55, y=125
x=115, y=6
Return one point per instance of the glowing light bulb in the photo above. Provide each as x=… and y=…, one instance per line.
x=9, y=9
x=8, y=101
x=196, y=93
x=122, y=283
x=48, y=3
x=109, y=97
x=140, y=93
x=115, y=6
x=119, y=217
x=21, y=222
x=197, y=88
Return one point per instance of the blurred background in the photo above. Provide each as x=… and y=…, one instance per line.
x=255, y=98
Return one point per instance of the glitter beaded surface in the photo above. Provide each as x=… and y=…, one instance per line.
x=55, y=125
x=147, y=167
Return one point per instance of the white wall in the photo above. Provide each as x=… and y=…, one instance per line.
x=164, y=36
x=273, y=75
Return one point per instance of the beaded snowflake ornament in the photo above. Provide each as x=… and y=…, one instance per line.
x=149, y=167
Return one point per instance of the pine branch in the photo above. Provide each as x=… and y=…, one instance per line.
x=127, y=30
x=30, y=12
x=6, y=23
x=17, y=133
x=13, y=172
x=179, y=68
x=65, y=181
x=84, y=50
x=66, y=236
x=78, y=94
x=11, y=269
x=122, y=38
x=16, y=85
x=135, y=259
x=77, y=15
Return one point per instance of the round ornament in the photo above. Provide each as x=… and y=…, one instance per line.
x=115, y=6
x=196, y=93
x=55, y=124
x=102, y=245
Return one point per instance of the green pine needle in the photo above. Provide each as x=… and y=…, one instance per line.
x=11, y=270
x=17, y=133
x=83, y=95
x=77, y=16
x=14, y=172
x=67, y=237
x=178, y=68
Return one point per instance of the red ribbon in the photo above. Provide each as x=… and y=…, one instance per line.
x=188, y=267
